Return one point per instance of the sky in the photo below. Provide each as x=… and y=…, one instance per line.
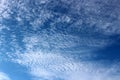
x=59, y=40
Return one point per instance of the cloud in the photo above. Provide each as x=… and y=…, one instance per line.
x=3, y=76
x=43, y=56
x=93, y=17
x=61, y=41
x=52, y=66
x=4, y=9
x=46, y=64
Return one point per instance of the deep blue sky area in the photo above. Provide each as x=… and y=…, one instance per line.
x=59, y=40
x=110, y=52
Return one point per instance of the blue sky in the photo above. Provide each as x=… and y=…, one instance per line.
x=59, y=40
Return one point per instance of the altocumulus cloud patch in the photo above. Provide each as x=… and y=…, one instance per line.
x=54, y=66
x=61, y=40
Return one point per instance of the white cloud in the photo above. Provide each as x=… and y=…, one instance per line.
x=4, y=9
x=60, y=41
x=2, y=5
x=52, y=66
x=98, y=24
x=3, y=76
x=47, y=41
x=47, y=65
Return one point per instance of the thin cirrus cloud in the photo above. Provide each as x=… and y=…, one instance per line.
x=4, y=76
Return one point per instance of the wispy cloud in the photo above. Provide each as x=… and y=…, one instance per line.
x=3, y=76
x=52, y=66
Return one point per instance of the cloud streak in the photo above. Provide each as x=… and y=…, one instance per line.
x=3, y=76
